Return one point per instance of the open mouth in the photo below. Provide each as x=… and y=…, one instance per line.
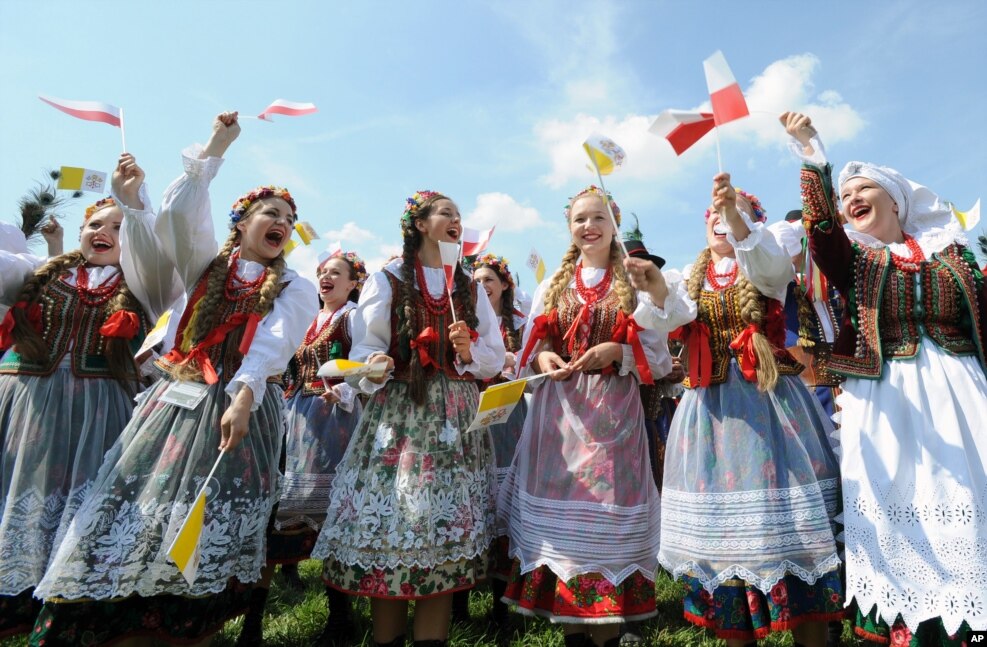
x=326, y=286
x=859, y=211
x=452, y=233
x=101, y=246
x=274, y=238
x=719, y=229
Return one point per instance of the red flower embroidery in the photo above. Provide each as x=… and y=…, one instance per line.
x=753, y=602
x=900, y=636
x=779, y=593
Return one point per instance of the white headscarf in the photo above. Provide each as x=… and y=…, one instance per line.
x=919, y=209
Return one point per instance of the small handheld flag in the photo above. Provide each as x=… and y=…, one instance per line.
x=306, y=232
x=724, y=92
x=286, y=108
x=81, y=179
x=475, y=241
x=969, y=218
x=90, y=111
x=185, y=549
x=496, y=403
x=536, y=264
x=341, y=368
x=605, y=154
x=682, y=128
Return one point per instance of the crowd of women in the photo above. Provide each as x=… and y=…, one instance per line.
x=771, y=517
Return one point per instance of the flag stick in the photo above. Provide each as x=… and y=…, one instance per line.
x=123, y=133
x=205, y=483
x=452, y=305
x=719, y=160
x=250, y=117
x=606, y=203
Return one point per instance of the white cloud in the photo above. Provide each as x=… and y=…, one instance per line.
x=502, y=211
x=305, y=258
x=783, y=85
x=350, y=233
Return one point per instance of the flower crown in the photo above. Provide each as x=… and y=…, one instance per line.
x=498, y=264
x=759, y=211
x=100, y=204
x=413, y=204
x=353, y=259
x=244, y=201
x=595, y=190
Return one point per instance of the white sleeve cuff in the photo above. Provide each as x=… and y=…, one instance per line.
x=205, y=169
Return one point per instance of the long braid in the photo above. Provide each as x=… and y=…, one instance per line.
x=562, y=277
x=628, y=297
x=407, y=320
x=119, y=356
x=465, y=287
x=698, y=274
x=30, y=344
x=752, y=312
x=507, y=316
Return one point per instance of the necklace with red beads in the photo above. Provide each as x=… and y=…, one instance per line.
x=98, y=295
x=913, y=262
x=312, y=334
x=597, y=292
x=713, y=276
x=236, y=289
x=437, y=306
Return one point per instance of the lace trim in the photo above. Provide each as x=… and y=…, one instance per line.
x=194, y=167
x=763, y=584
x=27, y=534
x=828, y=486
x=566, y=573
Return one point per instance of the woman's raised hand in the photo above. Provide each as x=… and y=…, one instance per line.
x=225, y=130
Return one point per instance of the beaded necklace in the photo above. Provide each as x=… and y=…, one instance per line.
x=311, y=335
x=236, y=289
x=712, y=275
x=98, y=295
x=593, y=294
x=437, y=306
x=913, y=262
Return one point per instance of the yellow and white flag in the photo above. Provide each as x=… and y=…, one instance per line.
x=497, y=403
x=605, y=154
x=969, y=218
x=537, y=265
x=157, y=334
x=81, y=179
x=337, y=368
x=186, y=549
x=306, y=232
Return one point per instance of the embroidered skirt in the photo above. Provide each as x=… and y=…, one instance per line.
x=411, y=508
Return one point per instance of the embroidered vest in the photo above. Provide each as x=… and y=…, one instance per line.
x=720, y=311
x=604, y=321
x=333, y=342
x=66, y=320
x=891, y=309
x=440, y=350
x=224, y=356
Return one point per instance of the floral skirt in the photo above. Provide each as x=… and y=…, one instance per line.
x=411, y=508
x=737, y=610
x=930, y=632
x=55, y=431
x=582, y=599
x=751, y=486
x=117, y=544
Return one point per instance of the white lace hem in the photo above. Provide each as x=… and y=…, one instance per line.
x=763, y=584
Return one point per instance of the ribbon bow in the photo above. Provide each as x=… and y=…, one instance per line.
x=218, y=334
x=695, y=335
x=33, y=311
x=122, y=323
x=421, y=342
x=626, y=331
x=585, y=316
x=744, y=342
x=540, y=328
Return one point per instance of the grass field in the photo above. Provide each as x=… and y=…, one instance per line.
x=294, y=618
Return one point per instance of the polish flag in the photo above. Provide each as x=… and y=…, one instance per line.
x=724, y=92
x=88, y=110
x=475, y=241
x=682, y=128
x=450, y=259
x=287, y=108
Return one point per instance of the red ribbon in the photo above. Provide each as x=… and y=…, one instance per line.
x=7, y=325
x=122, y=323
x=744, y=342
x=695, y=335
x=218, y=334
x=540, y=328
x=626, y=331
x=570, y=335
x=421, y=342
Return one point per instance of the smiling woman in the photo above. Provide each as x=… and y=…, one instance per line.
x=218, y=389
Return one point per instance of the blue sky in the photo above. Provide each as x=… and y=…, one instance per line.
x=489, y=103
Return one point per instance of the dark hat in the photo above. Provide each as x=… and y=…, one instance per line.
x=793, y=216
x=634, y=243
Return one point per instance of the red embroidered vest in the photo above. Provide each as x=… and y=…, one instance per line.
x=333, y=342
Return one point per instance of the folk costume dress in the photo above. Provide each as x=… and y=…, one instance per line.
x=111, y=577
x=318, y=435
x=411, y=509
x=751, y=484
x=579, y=504
x=58, y=417
x=914, y=407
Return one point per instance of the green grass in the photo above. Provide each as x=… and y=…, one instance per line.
x=295, y=618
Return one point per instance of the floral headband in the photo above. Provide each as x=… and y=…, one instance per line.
x=498, y=264
x=594, y=190
x=100, y=204
x=413, y=204
x=244, y=201
x=353, y=259
x=759, y=212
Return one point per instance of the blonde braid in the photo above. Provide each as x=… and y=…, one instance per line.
x=698, y=274
x=560, y=281
x=28, y=342
x=628, y=297
x=752, y=312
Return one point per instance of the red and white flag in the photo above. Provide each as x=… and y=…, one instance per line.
x=475, y=241
x=88, y=110
x=450, y=259
x=287, y=108
x=682, y=128
x=724, y=91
